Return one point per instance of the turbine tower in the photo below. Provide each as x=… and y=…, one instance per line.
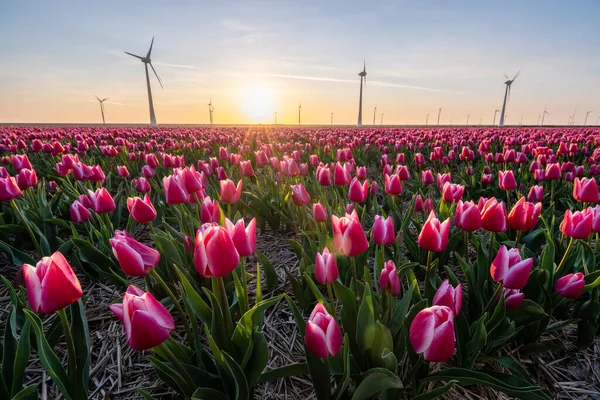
x=538, y=120
x=102, y=107
x=495, y=112
x=332, y=119
x=426, y=119
x=148, y=61
x=544, y=115
x=439, y=114
x=468, y=116
x=381, y=119
x=587, y=114
x=363, y=75
x=211, y=109
x=374, y=112
x=299, y=111
x=508, y=84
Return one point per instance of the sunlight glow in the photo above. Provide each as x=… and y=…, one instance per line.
x=258, y=102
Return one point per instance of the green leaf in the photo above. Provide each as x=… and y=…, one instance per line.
x=165, y=369
x=340, y=391
x=528, y=313
x=317, y=293
x=17, y=256
x=21, y=359
x=145, y=394
x=400, y=311
x=365, y=321
x=295, y=369
x=208, y=394
x=168, y=251
x=9, y=351
x=271, y=274
x=200, y=308
x=81, y=337
x=375, y=381
x=29, y=393
x=242, y=390
x=435, y=393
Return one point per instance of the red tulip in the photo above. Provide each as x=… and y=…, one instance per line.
x=230, y=194
x=388, y=279
x=510, y=269
x=393, y=185
x=142, y=211
x=512, y=297
x=244, y=238
x=434, y=235
x=419, y=204
x=506, y=180
x=102, y=202
x=536, y=194
x=448, y=296
x=383, y=230
x=215, y=254
x=348, y=235
x=493, y=216
x=300, y=196
x=524, y=216
x=586, y=190
x=570, y=286
x=577, y=224
x=323, y=335
x=432, y=333
x=9, y=189
x=78, y=212
x=319, y=212
x=135, y=258
x=326, y=270
x=51, y=284
x=358, y=193
x=452, y=192
x=467, y=216
x=27, y=178
x=146, y=321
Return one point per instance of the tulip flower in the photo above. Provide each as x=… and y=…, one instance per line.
x=319, y=212
x=26, y=178
x=393, y=185
x=524, y=216
x=247, y=169
x=341, y=175
x=102, y=202
x=142, y=211
x=383, y=230
x=210, y=210
x=432, y=333
x=230, y=194
x=570, y=286
x=122, y=171
x=244, y=238
x=21, y=162
x=448, y=296
x=215, y=254
x=512, y=297
x=326, y=270
x=509, y=269
x=148, y=172
x=434, y=235
x=506, y=180
x=419, y=204
x=9, y=190
x=142, y=185
x=552, y=172
x=467, y=216
x=442, y=179
x=146, y=321
x=577, y=224
x=323, y=335
x=324, y=176
x=586, y=190
x=427, y=177
x=174, y=189
x=134, y=258
x=536, y=194
x=78, y=212
x=452, y=192
x=493, y=216
x=348, y=235
x=358, y=193
x=300, y=196
x=595, y=211
x=190, y=179
x=51, y=284
x=388, y=279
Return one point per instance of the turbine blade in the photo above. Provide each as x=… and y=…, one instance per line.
x=506, y=76
x=104, y=99
x=159, y=81
x=150, y=50
x=517, y=74
x=133, y=55
x=97, y=98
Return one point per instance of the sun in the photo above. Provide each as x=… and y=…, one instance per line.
x=258, y=102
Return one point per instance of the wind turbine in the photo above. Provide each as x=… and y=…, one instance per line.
x=508, y=84
x=102, y=107
x=538, y=120
x=299, y=111
x=468, y=116
x=146, y=60
x=587, y=114
x=521, y=121
x=381, y=119
x=573, y=117
x=597, y=120
x=426, y=119
x=495, y=112
x=363, y=75
x=439, y=114
x=211, y=109
x=332, y=119
x=374, y=112
x=544, y=115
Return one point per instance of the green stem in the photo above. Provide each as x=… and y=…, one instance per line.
x=517, y=240
x=331, y=298
x=354, y=276
x=552, y=192
x=72, y=360
x=36, y=243
x=508, y=200
x=494, y=296
x=244, y=280
x=224, y=304
x=428, y=288
x=491, y=248
x=466, y=245
x=175, y=362
x=174, y=300
x=562, y=262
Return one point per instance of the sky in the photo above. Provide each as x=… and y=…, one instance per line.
x=255, y=58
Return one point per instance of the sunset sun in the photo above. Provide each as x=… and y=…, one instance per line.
x=258, y=102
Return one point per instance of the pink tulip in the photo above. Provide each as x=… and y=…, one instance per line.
x=467, y=216
x=586, y=190
x=21, y=162
x=552, y=172
x=122, y=171
x=78, y=212
x=215, y=254
x=361, y=173
x=388, y=279
x=300, y=195
x=570, y=286
x=419, y=206
x=348, y=235
x=383, y=230
x=595, y=211
x=577, y=224
x=102, y=202
x=326, y=270
x=512, y=297
x=51, y=284
x=323, y=335
x=427, y=177
x=230, y=194
x=210, y=210
x=443, y=178
x=135, y=258
x=27, y=178
x=319, y=212
x=510, y=269
x=324, y=176
x=452, y=192
x=341, y=175
x=146, y=321
x=174, y=190
x=247, y=169
x=358, y=193
x=244, y=238
x=524, y=216
x=434, y=235
x=9, y=190
x=393, y=185
x=448, y=296
x=432, y=333
x=536, y=194
x=506, y=180
x=493, y=216
x=142, y=185
x=190, y=179
x=142, y=211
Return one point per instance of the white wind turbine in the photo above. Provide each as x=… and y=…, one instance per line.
x=148, y=61
x=496, y=111
x=211, y=110
x=102, y=107
x=587, y=114
x=544, y=115
x=299, y=112
x=508, y=84
x=439, y=115
x=374, y=112
x=363, y=75
x=427, y=119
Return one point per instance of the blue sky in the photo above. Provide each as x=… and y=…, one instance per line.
x=257, y=57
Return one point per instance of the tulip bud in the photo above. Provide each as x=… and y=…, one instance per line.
x=506, y=180
x=419, y=207
x=323, y=335
x=319, y=212
x=300, y=195
x=358, y=193
x=326, y=270
x=570, y=286
x=512, y=297
x=510, y=269
x=467, y=216
x=122, y=171
x=388, y=279
x=536, y=194
x=432, y=333
x=427, y=177
x=393, y=185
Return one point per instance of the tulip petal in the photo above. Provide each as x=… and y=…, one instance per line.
x=315, y=340
x=158, y=311
x=422, y=330
x=443, y=343
x=333, y=337
x=518, y=274
x=34, y=287
x=145, y=333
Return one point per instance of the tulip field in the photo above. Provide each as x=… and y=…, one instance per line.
x=292, y=263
